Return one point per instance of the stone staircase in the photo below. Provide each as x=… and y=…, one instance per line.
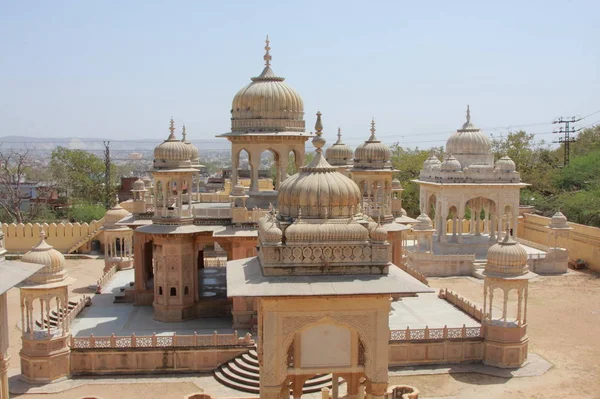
x=242, y=374
x=53, y=320
x=87, y=238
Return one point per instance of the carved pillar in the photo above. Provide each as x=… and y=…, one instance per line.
x=255, y=164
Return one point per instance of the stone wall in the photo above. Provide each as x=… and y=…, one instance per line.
x=62, y=236
x=147, y=360
x=583, y=242
x=435, y=352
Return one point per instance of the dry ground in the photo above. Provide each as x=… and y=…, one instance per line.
x=563, y=325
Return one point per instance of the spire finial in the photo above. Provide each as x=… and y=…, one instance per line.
x=319, y=141
x=172, y=129
x=42, y=235
x=267, y=56
x=183, y=133
x=372, y=138
x=339, y=136
x=468, y=114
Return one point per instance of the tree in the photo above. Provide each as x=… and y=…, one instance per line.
x=16, y=190
x=80, y=175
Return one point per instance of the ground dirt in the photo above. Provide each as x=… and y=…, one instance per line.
x=563, y=325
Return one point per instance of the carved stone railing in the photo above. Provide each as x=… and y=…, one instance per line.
x=105, y=278
x=161, y=341
x=218, y=262
x=212, y=213
x=463, y=304
x=436, y=334
x=532, y=244
x=83, y=302
x=414, y=273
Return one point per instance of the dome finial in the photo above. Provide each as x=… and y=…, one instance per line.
x=318, y=141
x=183, y=133
x=116, y=199
x=468, y=114
x=172, y=129
x=267, y=57
x=372, y=138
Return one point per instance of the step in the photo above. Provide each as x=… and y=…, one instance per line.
x=234, y=385
x=253, y=354
x=319, y=380
x=231, y=376
x=237, y=370
x=246, y=366
x=250, y=360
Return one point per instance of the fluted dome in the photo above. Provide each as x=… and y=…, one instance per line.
x=505, y=164
x=468, y=144
x=339, y=154
x=270, y=232
x=172, y=153
x=147, y=182
x=559, y=221
x=139, y=185
x=423, y=223
x=431, y=162
x=114, y=214
x=267, y=104
x=53, y=261
x=334, y=230
x=372, y=154
x=194, y=152
x=506, y=258
x=318, y=188
x=379, y=234
x=450, y=164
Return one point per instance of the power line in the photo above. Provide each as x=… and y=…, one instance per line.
x=566, y=131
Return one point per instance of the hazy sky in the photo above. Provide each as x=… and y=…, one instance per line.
x=121, y=69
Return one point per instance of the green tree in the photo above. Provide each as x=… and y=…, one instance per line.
x=81, y=176
x=86, y=212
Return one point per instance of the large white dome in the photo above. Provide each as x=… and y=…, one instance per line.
x=469, y=145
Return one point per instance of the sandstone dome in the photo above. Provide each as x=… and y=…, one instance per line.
x=339, y=154
x=114, y=214
x=53, y=261
x=267, y=104
x=372, y=153
x=507, y=258
x=469, y=144
x=379, y=234
x=139, y=185
x=423, y=222
x=505, y=164
x=431, y=162
x=172, y=153
x=194, y=152
x=450, y=164
x=559, y=221
x=318, y=190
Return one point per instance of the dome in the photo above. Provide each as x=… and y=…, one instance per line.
x=272, y=234
x=267, y=104
x=147, y=182
x=423, y=223
x=139, y=185
x=332, y=230
x=469, y=143
x=450, y=164
x=238, y=190
x=53, y=261
x=431, y=162
x=318, y=190
x=339, y=154
x=559, y=221
x=396, y=185
x=114, y=214
x=194, y=152
x=379, y=234
x=505, y=164
x=507, y=258
x=172, y=152
x=372, y=153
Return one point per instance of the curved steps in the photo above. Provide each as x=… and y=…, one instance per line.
x=242, y=374
x=53, y=320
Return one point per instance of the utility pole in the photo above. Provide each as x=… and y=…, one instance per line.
x=107, y=180
x=566, y=131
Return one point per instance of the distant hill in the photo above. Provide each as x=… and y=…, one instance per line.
x=95, y=144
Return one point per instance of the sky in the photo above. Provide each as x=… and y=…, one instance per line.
x=121, y=69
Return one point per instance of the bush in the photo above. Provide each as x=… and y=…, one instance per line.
x=86, y=213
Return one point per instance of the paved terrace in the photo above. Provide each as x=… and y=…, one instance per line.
x=104, y=317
